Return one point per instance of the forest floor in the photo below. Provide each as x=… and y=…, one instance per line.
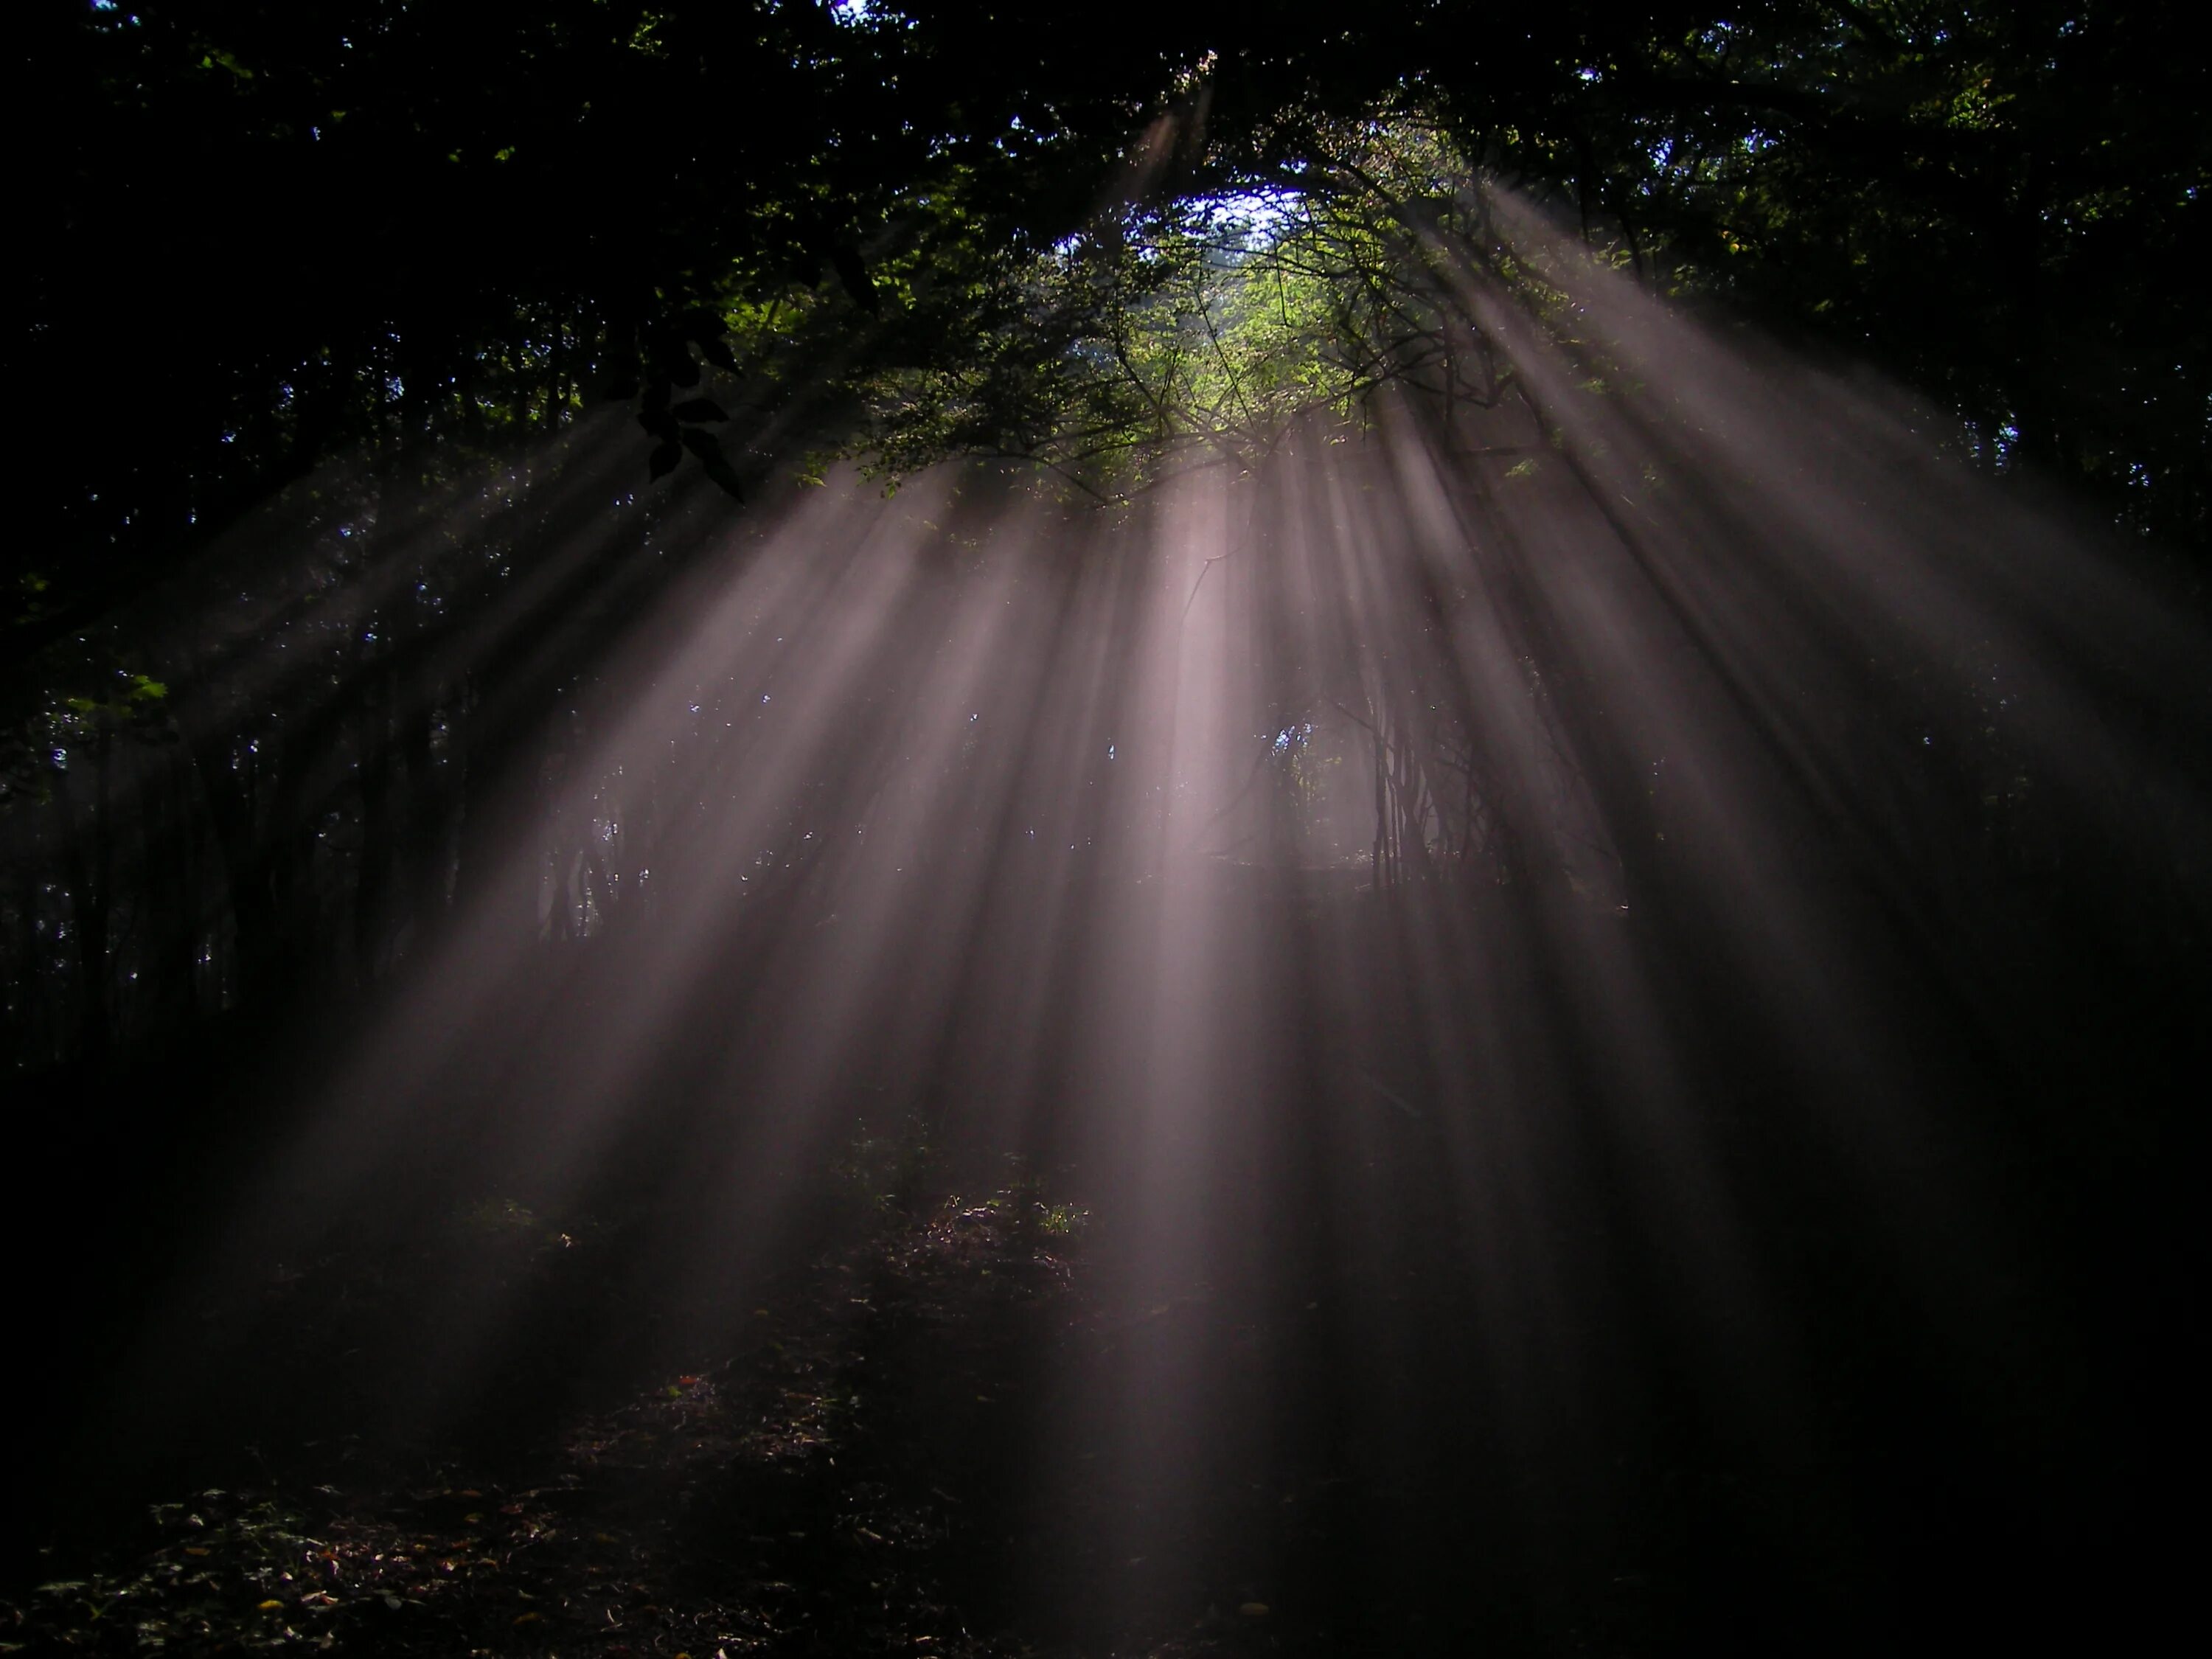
x=843, y=1482
x=943, y=1412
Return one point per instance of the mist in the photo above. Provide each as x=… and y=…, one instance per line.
x=1563, y=1017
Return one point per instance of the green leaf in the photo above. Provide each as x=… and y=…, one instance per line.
x=707, y=330
x=853, y=275
x=709, y=449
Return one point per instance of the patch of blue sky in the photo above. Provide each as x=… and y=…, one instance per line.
x=1249, y=217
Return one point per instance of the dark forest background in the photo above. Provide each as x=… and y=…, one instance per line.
x=430, y=242
x=380, y=365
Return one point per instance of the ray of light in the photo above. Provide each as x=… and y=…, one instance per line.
x=1400, y=882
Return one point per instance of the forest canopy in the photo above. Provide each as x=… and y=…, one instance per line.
x=357, y=285
x=257, y=235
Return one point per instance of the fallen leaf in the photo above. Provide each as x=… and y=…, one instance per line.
x=532, y=1618
x=271, y=1605
x=1254, y=1609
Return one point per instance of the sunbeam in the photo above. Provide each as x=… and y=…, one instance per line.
x=1475, y=1012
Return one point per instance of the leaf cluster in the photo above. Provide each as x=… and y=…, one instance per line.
x=271, y=233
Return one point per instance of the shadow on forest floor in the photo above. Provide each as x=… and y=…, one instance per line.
x=852, y=1478
x=939, y=1425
